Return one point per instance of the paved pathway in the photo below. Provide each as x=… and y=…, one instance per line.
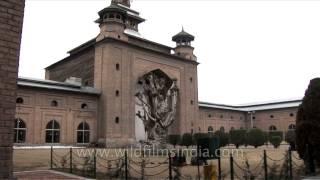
x=45, y=174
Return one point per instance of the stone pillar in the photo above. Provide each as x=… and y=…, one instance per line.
x=11, y=18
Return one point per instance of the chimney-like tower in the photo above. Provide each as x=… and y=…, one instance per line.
x=116, y=19
x=183, y=45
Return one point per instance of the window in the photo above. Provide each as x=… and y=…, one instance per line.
x=53, y=132
x=209, y=115
x=272, y=128
x=54, y=103
x=292, y=127
x=253, y=117
x=221, y=116
x=19, y=100
x=84, y=106
x=231, y=117
x=291, y=114
x=191, y=79
x=222, y=129
x=118, y=16
x=19, y=131
x=83, y=133
x=117, y=120
x=210, y=129
x=117, y=66
x=111, y=16
x=191, y=102
x=271, y=116
x=117, y=93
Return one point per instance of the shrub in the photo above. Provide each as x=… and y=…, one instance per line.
x=186, y=140
x=197, y=136
x=275, y=133
x=275, y=141
x=291, y=139
x=223, y=137
x=237, y=137
x=255, y=137
x=174, y=139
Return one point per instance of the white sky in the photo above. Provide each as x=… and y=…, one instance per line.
x=248, y=50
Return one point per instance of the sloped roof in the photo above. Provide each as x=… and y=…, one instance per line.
x=279, y=104
x=54, y=85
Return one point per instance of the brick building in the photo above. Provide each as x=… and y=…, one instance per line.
x=11, y=18
x=89, y=96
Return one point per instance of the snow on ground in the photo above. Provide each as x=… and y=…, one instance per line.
x=45, y=147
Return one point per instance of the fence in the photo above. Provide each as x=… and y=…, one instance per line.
x=287, y=167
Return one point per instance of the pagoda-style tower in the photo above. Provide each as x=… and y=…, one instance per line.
x=183, y=45
x=118, y=19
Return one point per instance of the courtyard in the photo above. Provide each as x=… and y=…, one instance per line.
x=156, y=166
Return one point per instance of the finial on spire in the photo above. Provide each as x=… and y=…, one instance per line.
x=182, y=29
x=123, y=2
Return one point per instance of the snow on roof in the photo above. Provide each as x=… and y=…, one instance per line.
x=259, y=106
x=133, y=33
x=55, y=85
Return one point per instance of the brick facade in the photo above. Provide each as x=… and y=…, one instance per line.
x=11, y=20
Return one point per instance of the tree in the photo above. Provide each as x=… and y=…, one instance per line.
x=237, y=137
x=197, y=136
x=174, y=139
x=291, y=139
x=223, y=137
x=186, y=140
x=255, y=137
x=275, y=141
x=308, y=123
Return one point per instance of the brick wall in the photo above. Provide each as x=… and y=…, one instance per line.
x=80, y=65
x=11, y=18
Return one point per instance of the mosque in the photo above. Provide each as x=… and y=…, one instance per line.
x=119, y=88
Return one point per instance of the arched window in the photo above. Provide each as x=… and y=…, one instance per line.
x=53, y=132
x=292, y=127
x=19, y=100
x=222, y=129
x=19, y=131
x=84, y=106
x=54, y=103
x=272, y=128
x=83, y=133
x=210, y=129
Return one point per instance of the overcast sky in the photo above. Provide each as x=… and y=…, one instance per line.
x=248, y=51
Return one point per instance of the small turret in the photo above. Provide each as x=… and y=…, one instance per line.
x=116, y=18
x=183, y=45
